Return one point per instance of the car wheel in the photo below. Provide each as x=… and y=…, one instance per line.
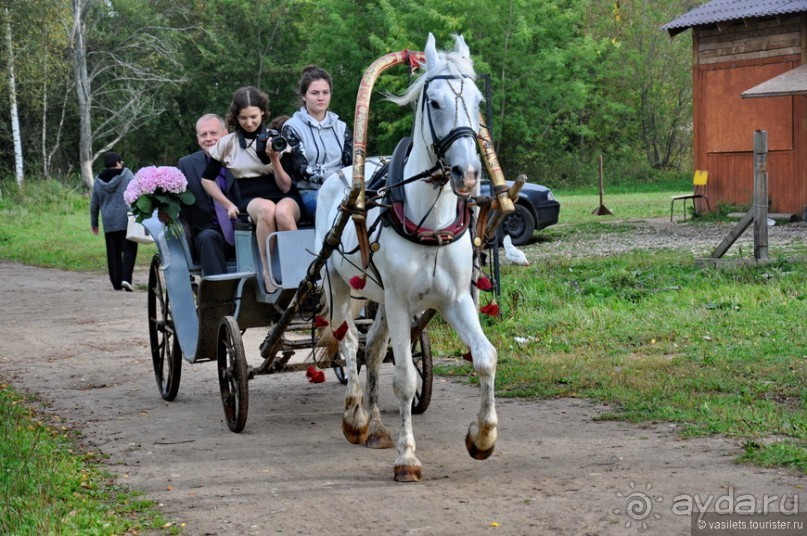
x=519, y=225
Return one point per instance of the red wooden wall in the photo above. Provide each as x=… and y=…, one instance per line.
x=729, y=61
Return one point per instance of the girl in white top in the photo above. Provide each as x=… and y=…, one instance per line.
x=249, y=156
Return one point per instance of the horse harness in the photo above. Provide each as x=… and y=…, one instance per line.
x=385, y=190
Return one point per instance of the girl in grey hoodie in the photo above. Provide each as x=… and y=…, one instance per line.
x=320, y=144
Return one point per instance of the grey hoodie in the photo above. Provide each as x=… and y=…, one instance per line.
x=318, y=149
x=107, y=197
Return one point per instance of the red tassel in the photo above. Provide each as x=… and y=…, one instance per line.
x=468, y=357
x=314, y=375
x=484, y=284
x=491, y=309
x=320, y=322
x=358, y=282
x=339, y=333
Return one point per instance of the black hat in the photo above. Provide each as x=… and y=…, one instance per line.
x=111, y=158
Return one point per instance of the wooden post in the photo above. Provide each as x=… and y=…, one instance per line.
x=601, y=210
x=761, y=195
x=757, y=214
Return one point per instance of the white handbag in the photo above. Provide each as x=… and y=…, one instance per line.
x=136, y=232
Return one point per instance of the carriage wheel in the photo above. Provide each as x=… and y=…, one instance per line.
x=422, y=357
x=166, y=355
x=233, y=374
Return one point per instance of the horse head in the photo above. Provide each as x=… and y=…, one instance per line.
x=450, y=106
x=447, y=114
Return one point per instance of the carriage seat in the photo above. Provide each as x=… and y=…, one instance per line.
x=293, y=253
x=305, y=224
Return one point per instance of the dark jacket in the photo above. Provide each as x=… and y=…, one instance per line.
x=201, y=214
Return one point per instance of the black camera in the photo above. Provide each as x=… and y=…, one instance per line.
x=277, y=142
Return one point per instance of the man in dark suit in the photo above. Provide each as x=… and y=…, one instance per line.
x=209, y=219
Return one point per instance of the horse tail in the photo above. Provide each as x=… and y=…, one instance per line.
x=328, y=342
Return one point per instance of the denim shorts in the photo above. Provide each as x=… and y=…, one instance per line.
x=309, y=204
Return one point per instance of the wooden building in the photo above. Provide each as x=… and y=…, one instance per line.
x=744, y=49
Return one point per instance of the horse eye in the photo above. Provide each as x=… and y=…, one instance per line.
x=434, y=104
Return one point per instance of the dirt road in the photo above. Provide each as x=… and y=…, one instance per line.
x=555, y=470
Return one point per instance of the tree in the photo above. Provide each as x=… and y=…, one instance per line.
x=12, y=94
x=571, y=79
x=650, y=80
x=118, y=81
x=35, y=56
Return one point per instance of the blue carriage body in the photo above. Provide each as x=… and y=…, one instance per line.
x=238, y=293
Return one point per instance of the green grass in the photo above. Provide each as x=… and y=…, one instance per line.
x=48, y=485
x=716, y=351
x=577, y=207
x=48, y=224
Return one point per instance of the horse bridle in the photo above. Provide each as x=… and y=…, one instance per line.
x=441, y=145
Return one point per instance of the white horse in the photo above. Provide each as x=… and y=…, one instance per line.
x=426, y=265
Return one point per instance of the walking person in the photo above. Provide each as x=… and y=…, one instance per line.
x=107, y=198
x=321, y=143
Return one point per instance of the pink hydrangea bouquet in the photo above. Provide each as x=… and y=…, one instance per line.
x=161, y=188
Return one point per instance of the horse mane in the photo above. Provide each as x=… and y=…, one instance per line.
x=453, y=61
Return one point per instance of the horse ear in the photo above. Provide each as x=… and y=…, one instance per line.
x=461, y=48
x=431, y=51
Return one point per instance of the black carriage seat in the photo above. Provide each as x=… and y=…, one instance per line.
x=305, y=222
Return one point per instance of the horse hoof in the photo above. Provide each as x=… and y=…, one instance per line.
x=475, y=452
x=356, y=436
x=407, y=473
x=379, y=441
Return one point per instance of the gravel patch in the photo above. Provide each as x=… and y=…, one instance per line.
x=655, y=234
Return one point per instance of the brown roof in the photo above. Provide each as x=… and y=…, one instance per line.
x=730, y=10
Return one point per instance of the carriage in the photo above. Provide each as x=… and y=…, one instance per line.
x=202, y=319
x=413, y=250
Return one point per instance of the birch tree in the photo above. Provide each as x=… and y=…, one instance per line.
x=12, y=94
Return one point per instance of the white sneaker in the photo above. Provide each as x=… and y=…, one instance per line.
x=127, y=286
